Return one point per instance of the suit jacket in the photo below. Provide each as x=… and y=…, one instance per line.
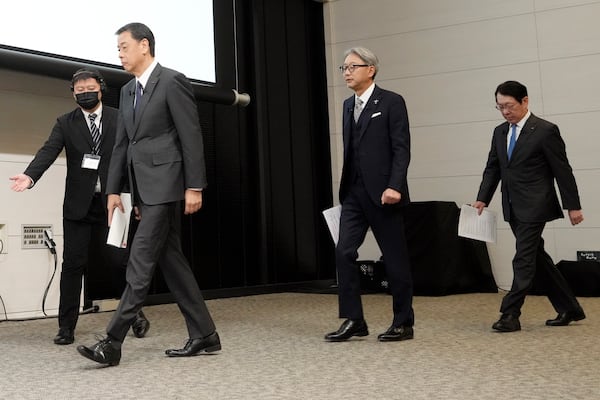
x=72, y=133
x=161, y=146
x=538, y=159
x=384, y=149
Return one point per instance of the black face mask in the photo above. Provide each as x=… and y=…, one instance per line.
x=87, y=100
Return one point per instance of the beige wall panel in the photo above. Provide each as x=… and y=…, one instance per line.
x=578, y=132
x=568, y=32
x=450, y=150
x=27, y=120
x=541, y=5
x=461, y=190
x=572, y=240
x=589, y=192
x=571, y=85
x=29, y=105
x=336, y=100
x=353, y=19
x=15, y=81
x=460, y=97
x=337, y=157
x=453, y=48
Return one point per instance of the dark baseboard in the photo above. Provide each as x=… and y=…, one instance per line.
x=327, y=286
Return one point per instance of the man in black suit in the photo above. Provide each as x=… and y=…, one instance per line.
x=528, y=155
x=159, y=146
x=373, y=191
x=84, y=207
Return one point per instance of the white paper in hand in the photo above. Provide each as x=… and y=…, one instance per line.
x=332, y=217
x=119, y=226
x=479, y=227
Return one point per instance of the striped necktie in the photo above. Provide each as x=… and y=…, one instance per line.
x=95, y=131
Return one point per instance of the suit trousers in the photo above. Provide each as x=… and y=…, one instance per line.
x=532, y=262
x=157, y=241
x=387, y=224
x=79, y=235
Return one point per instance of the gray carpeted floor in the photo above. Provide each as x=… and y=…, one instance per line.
x=273, y=348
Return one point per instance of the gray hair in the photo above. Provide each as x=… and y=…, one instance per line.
x=366, y=55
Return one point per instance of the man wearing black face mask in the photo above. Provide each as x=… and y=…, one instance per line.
x=87, y=134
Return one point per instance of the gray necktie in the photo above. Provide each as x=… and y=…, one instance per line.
x=358, y=103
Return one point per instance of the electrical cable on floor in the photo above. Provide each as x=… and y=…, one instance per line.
x=4, y=308
x=52, y=247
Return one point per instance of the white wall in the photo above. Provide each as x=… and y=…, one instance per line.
x=446, y=58
x=29, y=106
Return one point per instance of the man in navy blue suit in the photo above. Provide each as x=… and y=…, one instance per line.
x=373, y=191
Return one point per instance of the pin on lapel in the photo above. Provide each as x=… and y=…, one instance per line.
x=375, y=101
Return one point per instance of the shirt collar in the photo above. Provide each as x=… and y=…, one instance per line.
x=521, y=123
x=143, y=79
x=367, y=93
x=98, y=113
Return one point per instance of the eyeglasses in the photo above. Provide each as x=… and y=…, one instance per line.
x=507, y=107
x=350, y=68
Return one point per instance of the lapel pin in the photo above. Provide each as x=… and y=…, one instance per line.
x=375, y=101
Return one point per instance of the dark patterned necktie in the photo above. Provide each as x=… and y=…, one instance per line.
x=139, y=91
x=95, y=131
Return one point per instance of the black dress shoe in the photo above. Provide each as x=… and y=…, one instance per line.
x=208, y=344
x=349, y=328
x=64, y=336
x=507, y=323
x=396, y=333
x=140, y=326
x=565, y=318
x=103, y=352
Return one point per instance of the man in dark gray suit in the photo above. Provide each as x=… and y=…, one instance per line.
x=373, y=191
x=528, y=155
x=159, y=146
x=84, y=206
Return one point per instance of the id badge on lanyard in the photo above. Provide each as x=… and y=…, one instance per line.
x=90, y=161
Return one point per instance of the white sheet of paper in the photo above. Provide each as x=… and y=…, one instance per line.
x=479, y=227
x=332, y=218
x=119, y=226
